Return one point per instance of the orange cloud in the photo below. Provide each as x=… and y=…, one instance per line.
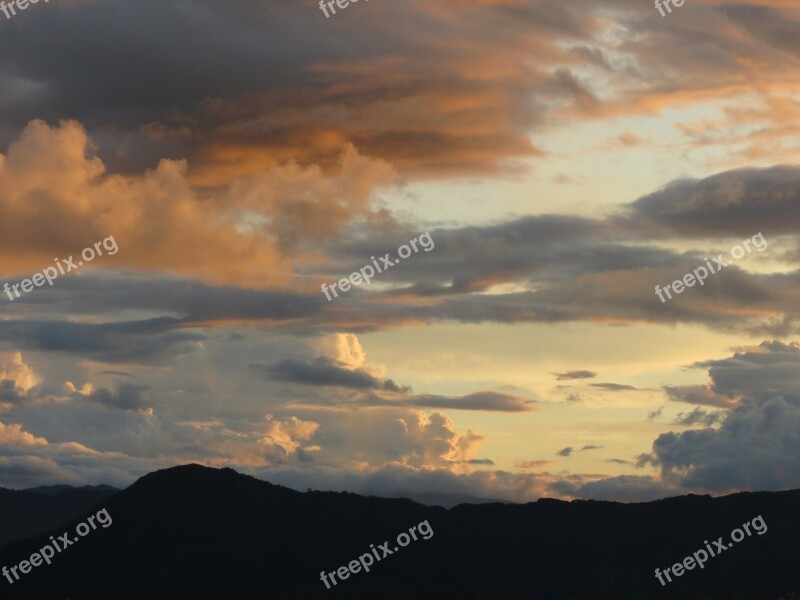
x=55, y=199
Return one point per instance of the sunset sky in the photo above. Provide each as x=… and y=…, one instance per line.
x=565, y=157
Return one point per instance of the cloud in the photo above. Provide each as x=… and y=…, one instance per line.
x=413, y=438
x=556, y=269
x=613, y=387
x=393, y=480
x=344, y=348
x=565, y=451
x=630, y=139
x=398, y=91
x=396, y=479
x=127, y=397
x=698, y=394
x=574, y=375
x=762, y=371
x=756, y=447
x=9, y=392
x=753, y=373
x=534, y=464
x=288, y=435
x=353, y=375
x=491, y=401
x=699, y=417
x=28, y=460
x=234, y=192
x=740, y=202
x=590, y=447
x=145, y=341
x=625, y=488
x=324, y=371
x=480, y=461
x=12, y=368
x=55, y=189
x=464, y=112
x=755, y=443
x=562, y=268
x=461, y=113
x=12, y=435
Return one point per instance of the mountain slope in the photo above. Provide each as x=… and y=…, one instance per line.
x=193, y=533
x=30, y=512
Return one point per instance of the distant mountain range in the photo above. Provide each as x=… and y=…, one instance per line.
x=29, y=512
x=52, y=490
x=193, y=532
x=442, y=499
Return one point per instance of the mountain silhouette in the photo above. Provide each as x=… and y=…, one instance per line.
x=193, y=532
x=24, y=513
x=52, y=490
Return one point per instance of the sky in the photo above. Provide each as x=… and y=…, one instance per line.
x=216, y=167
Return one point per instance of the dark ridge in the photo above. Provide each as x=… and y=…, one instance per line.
x=52, y=490
x=193, y=532
x=31, y=512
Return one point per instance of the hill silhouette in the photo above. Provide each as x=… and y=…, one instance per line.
x=192, y=532
x=24, y=513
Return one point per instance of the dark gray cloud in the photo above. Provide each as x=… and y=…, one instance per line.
x=574, y=375
x=304, y=457
x=9, y=392
x=590, y=447
x=551, y=249
x=20, y=472
x=756, y=447
x=613, y=387
x=127, y=397
x=492, y=401
x=565, y=451
x=158, y=43
x=135, y=341
x=741, y=202
x=577, y=269
x=193, y=301
x=756, y=373
x=324, y=371
x=698, y=394
x=699, y=417
x=533, y=464
x=167, y=103
x=653, y=415
x=762, y=372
